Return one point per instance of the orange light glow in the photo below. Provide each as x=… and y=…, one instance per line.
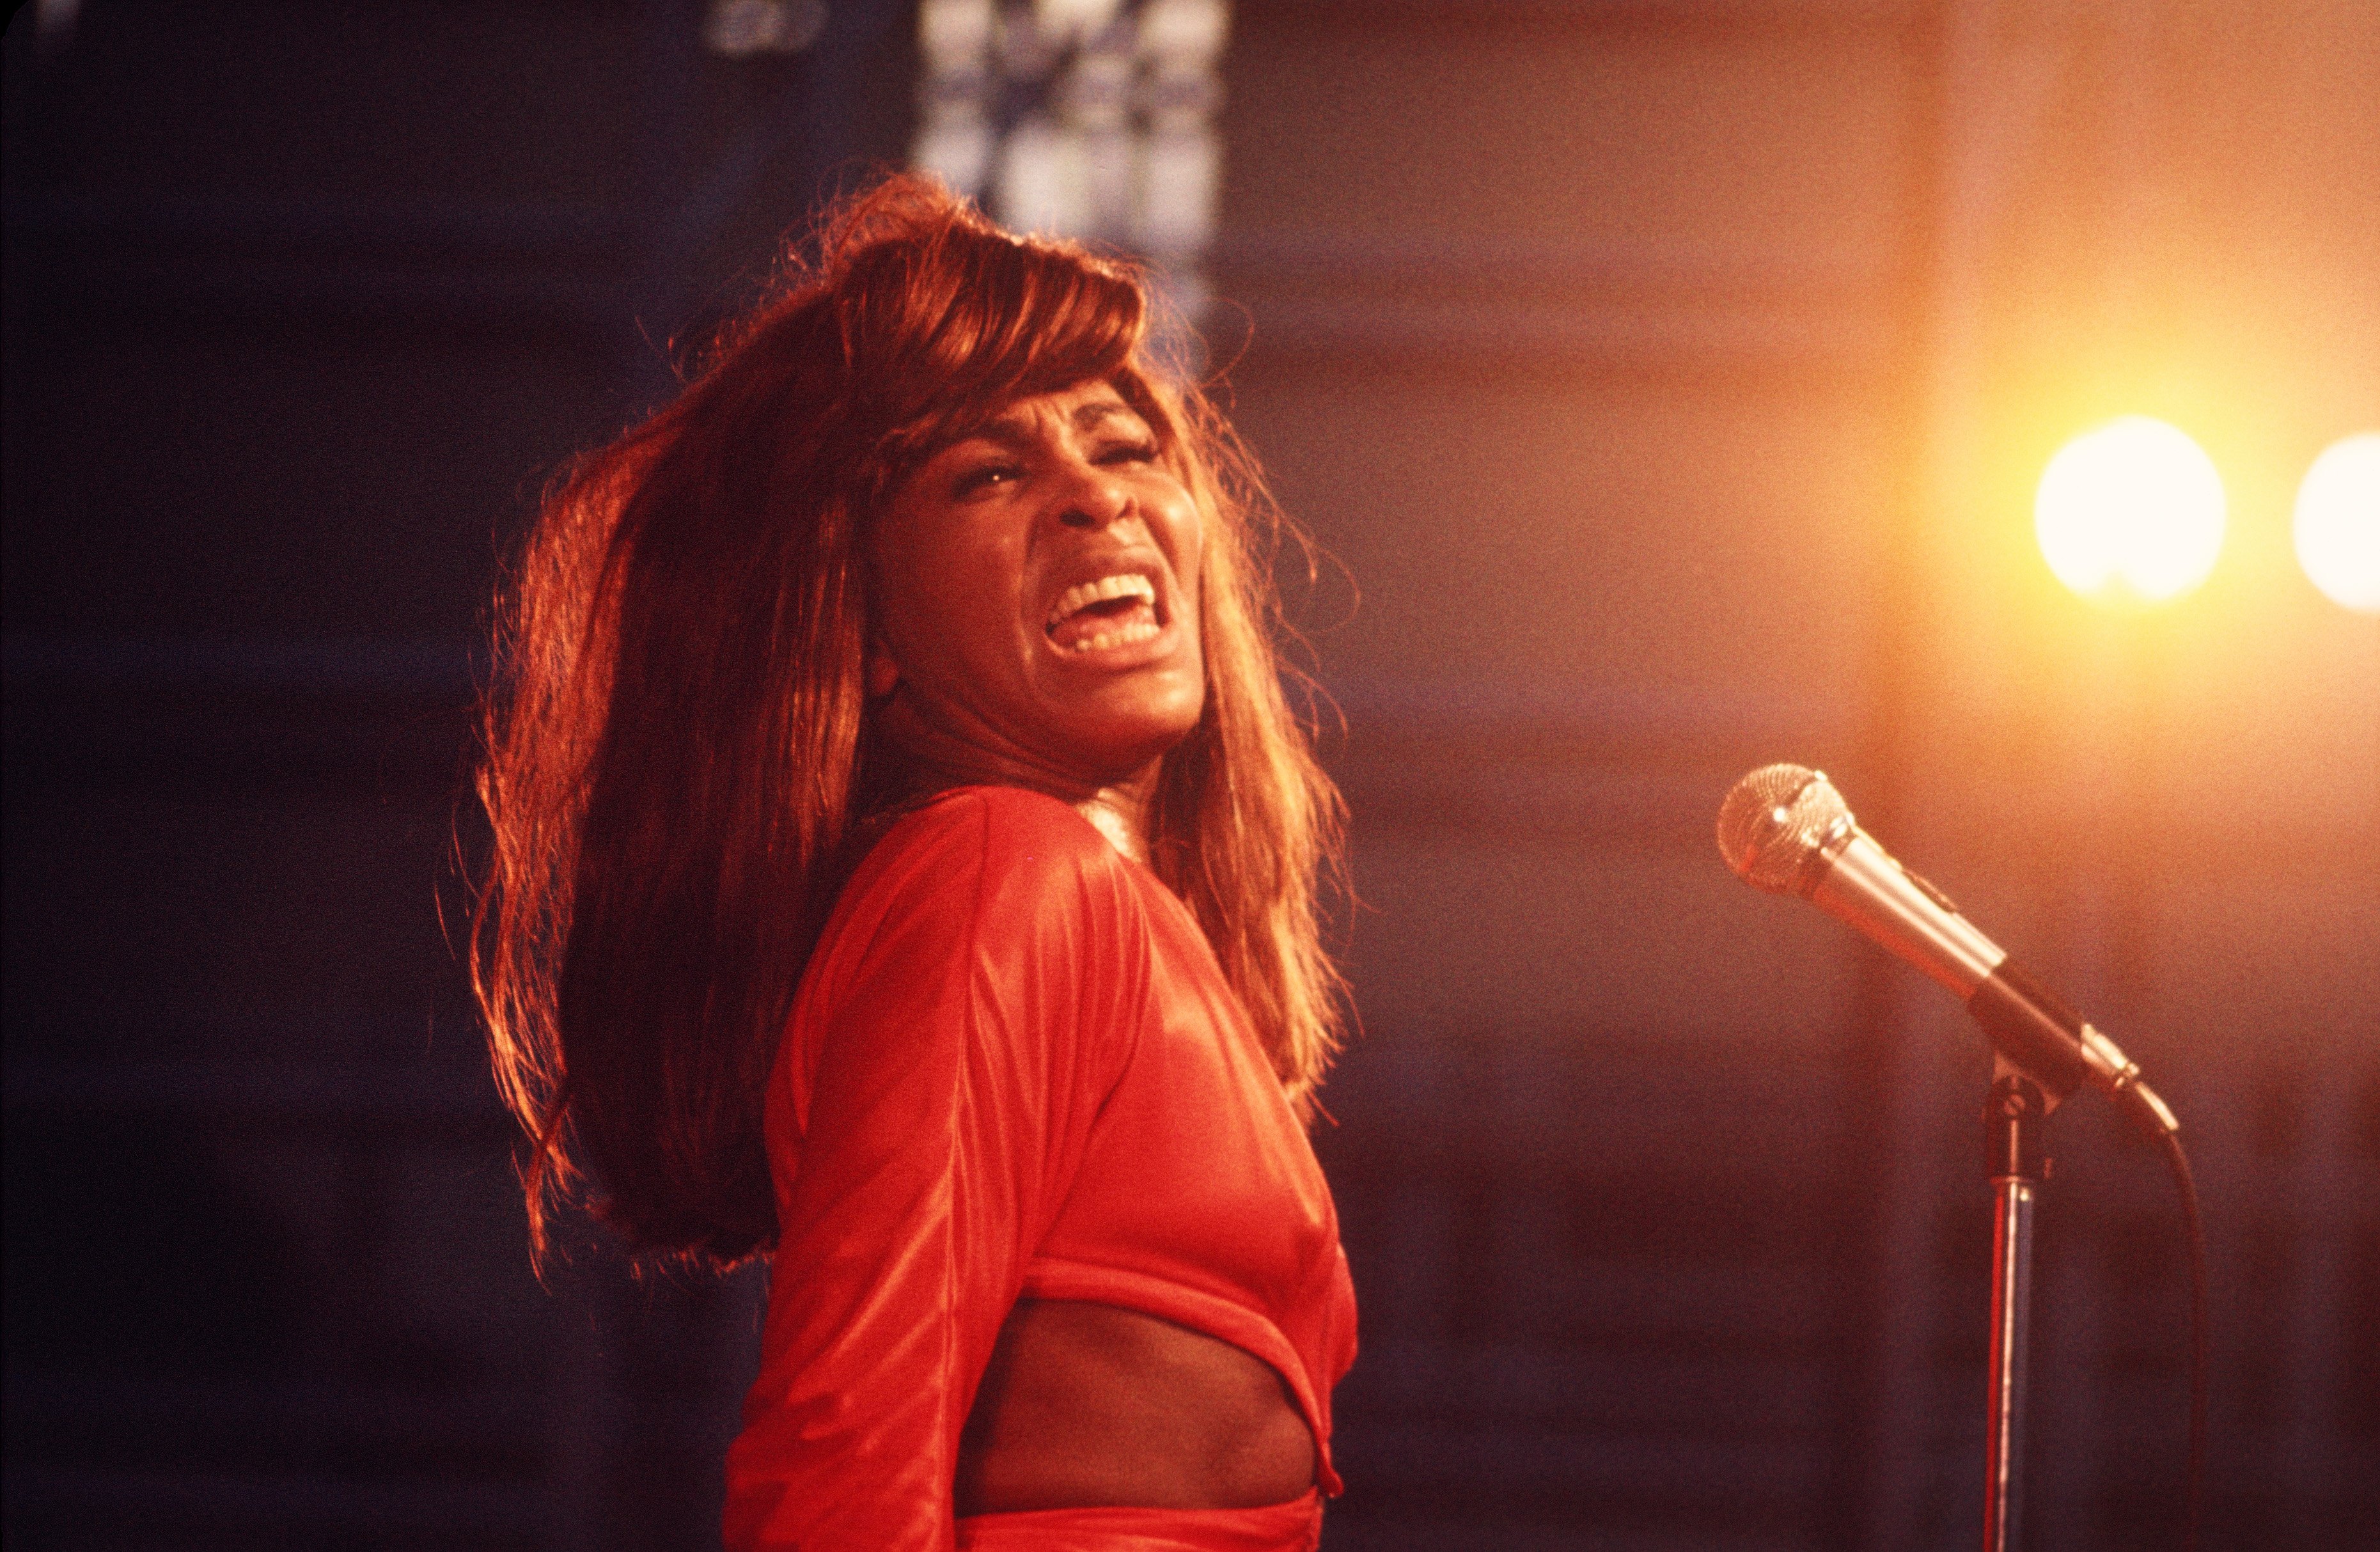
x=2133, y=509
x=2339, y=523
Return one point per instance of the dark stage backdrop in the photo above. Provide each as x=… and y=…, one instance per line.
x=1666, y=378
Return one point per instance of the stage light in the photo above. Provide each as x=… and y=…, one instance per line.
x=2339, y=523
x=2132, y=509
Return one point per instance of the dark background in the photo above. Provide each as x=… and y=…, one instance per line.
x=1667, y=376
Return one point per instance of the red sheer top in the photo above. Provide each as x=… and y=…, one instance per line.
x=1014, y=1069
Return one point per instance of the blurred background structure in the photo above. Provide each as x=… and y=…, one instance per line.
x=1669, y=377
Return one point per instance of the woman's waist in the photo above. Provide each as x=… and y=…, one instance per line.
x=1297, y=1316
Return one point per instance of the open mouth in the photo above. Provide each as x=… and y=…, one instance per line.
x=1114, y=611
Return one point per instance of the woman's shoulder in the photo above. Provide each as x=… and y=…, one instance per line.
x=972, y=849
x=1010, y=828
x=977, y=876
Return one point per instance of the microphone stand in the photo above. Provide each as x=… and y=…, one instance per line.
x=2014, y=1164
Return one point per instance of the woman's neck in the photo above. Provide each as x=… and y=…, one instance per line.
x=1117, y=810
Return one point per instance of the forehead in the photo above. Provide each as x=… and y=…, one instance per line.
x=1081, y=408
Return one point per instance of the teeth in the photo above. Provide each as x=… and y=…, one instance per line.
x=1124, y=635
x=1083, y=594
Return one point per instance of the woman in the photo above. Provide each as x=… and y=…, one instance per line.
x=906, y=867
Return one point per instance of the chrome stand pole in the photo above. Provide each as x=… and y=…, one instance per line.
x=2012, y=1119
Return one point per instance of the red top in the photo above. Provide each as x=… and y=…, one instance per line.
x=1014, y=1069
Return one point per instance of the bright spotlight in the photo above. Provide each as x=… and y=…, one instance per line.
x=2133, y=508
x=2339, y=522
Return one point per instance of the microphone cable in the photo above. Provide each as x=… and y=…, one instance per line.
x=2193, y=1488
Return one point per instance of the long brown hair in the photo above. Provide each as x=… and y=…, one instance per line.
x=677, y=760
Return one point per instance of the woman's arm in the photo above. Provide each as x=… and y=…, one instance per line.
x=956, y=1040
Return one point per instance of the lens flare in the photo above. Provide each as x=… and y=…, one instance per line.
x=2133, y=509
x=2339, y=523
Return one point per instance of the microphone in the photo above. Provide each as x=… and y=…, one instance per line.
x=1785, y=828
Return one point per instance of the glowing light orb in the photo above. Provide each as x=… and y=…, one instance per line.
x=2133, y=509
x=2339, y=523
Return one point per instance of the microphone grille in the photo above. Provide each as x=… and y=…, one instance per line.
x=1775, y=820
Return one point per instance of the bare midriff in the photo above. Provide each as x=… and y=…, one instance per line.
x=1087, y=1405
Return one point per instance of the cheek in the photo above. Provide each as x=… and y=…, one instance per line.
x=1186, y=546
x=948, y=608
x=908, y=601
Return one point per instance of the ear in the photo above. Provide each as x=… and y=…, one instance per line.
x=881, y=672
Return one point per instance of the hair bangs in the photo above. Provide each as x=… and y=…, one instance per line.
x=978, y=320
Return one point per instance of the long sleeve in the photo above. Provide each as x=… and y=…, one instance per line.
x=951, y=1043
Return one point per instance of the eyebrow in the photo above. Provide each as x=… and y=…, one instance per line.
x=1089, y=414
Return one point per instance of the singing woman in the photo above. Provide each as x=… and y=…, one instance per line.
x=905, y=869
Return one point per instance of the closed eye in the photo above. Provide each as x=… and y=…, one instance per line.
x=1136, y=452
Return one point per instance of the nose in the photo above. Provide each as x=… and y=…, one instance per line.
x=1095, y=497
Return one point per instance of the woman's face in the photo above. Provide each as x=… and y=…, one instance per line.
x=1036, y=591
